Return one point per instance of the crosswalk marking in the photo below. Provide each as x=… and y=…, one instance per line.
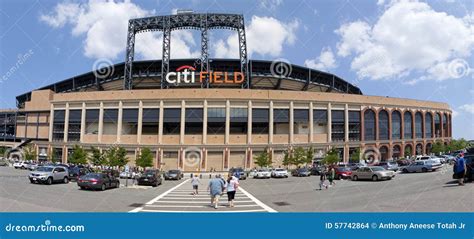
x=181, y=199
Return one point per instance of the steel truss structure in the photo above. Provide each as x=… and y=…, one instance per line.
x=167, y=24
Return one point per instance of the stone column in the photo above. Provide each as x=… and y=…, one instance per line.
x=329, y=130
x=51, y=121
x=66, y=123
x=140, y=122
x=160, y=124
x=204, y=122
x=270, y=123
x=311, y=117
x=119, y=121
x=227, y=122
x=101, y=122
x=249, y=123
x=346, y=123
x=292, y=131
x=83, y=121
x=183, y=123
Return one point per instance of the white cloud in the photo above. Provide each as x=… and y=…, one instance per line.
x=265, y=36
x=324, y=62
x=408, y=37
x=469, y=108
x=104, y=24
x=270, y=5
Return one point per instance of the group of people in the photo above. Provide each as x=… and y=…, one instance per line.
x=327, y=175
x=216, y=188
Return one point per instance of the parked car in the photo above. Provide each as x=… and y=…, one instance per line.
x=403, y=162
x=125, y=174
x=262, y=173
x=355, y=166
x=375, y=173
x=422, y=166
x=317, y=169
x=75, y=172
x=301, y=172
x=448, y=158
x=49, y=175
x=100, y=181
x=388, y=165
x=279, y=173
x=238, y=172
x=343, y=172
x=32, y=166
x=150, y=177
x=112, y=172
x=173, y=175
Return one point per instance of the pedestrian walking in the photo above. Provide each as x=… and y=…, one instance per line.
x=195, y=182
x=332, y=175
x=460, y=169
x=232, y=185
x=215, y=188
x=322, y=180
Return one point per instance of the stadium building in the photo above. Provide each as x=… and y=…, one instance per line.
x=213, y=114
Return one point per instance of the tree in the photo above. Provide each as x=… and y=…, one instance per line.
x=145, y=159
x=459, y=144
x=331, y=157
x=355, y=156
x=97, y=158
x=309, y=156
x=299, y=156
x=263, y=159
x=288, y=159
x=78, y=156
x=407, y=151
x=438, y=148
x=29, y=153
x=3, y=151
x=116, y=156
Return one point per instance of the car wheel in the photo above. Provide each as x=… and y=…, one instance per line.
x=424, y=170
x=355, y=178
x=339, y=177
x=66, y=180
x=49, y=181
x=375, y=178
x=31, y=181
x=405, y=170
x=102, y=187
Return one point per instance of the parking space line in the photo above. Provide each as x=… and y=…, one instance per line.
x=261, y=204
x=160, y=196
x=216, y=211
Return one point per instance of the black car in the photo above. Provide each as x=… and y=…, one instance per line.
x=469, y=168
x=150, y=177
x=173, y=175
x=316, y=170
x=75, y=172
x=301, y=172
x=100, y=181
x=238, y=173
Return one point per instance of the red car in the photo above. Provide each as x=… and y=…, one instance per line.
x=343, y=172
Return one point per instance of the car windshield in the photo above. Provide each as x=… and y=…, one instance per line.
x=173, y=171
x=392, y=163
x=377, y=169
x=93, y=175
x=302, y=169
x=344, y=169
x=149, y=173
x=44, y=169
x=279, y=169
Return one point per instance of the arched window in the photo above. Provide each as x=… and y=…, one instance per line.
x=383, y=125
x=408, y=129
x=418, y=125
x=437, y=125
x=383, y=153
x=445, y=125
x=369, y=125
x=428, y=125
x=396, y=124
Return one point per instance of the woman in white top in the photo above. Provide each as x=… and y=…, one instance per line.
x=232, y=185
x=195, y=182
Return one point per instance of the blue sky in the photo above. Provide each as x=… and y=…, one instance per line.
x=407, y=49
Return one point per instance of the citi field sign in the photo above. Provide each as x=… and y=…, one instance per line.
x=188, y=75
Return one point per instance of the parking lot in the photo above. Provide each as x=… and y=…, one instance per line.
x=432, y=191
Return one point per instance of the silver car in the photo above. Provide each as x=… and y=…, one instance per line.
x=49, y=174
x=374, y=173
x=422, y=166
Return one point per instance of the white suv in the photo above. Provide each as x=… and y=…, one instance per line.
x=279, y=173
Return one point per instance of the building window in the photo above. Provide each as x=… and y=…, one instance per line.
x=129, y=121
x=171, y=121
x=110, y=122
x=150, y=121
x=74, y=125
x=194, y=121
x=383, y=125
x=396, y=125
x=369, y=125
x=320, y=121
x=58, y=125
x=437, y=125
x=337, y=125
x=300, y=121
x=418, y=125
x=428, y=125
x=281, y=121
x=238, y=120
x=408, y=129
x=445, y=125
x=216, y=120
x=260, y=121
x=92, y=121
x=354, y=125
